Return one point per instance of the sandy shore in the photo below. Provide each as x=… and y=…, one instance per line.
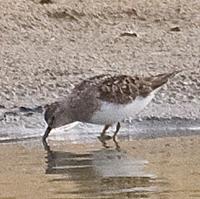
x=45, y=48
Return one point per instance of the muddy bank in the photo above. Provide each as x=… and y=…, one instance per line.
x=45, y=48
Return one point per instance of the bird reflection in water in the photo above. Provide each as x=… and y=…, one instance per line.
x=101, y=173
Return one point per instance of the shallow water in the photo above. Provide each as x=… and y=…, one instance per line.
x=156, y=159
x=151, y=168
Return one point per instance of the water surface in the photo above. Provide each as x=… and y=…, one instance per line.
x=151, y=168
x=156, y=159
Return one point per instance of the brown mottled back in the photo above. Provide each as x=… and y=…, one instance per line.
x=122, y=89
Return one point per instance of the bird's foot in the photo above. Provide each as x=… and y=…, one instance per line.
x=103, y=140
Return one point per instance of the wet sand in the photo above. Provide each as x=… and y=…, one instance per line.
x=151, y=168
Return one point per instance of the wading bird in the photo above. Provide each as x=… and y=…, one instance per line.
x=106, y=100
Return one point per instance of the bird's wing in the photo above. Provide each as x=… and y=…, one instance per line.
x=120, y=89
x=160, y=79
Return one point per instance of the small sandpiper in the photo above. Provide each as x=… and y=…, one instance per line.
x=106, y=100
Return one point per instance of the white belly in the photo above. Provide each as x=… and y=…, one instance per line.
x=111, y=113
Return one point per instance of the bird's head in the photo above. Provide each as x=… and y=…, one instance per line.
x=56, y=115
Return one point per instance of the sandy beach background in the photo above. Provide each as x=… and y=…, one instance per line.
x=47, y=47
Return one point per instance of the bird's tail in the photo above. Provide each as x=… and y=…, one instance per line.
x=160, y=79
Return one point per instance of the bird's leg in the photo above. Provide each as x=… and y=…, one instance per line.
x=46, y=134
x=116, y=131
x=103, y=137
x=114, y=136
x=49, y=128
x=103, y=133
